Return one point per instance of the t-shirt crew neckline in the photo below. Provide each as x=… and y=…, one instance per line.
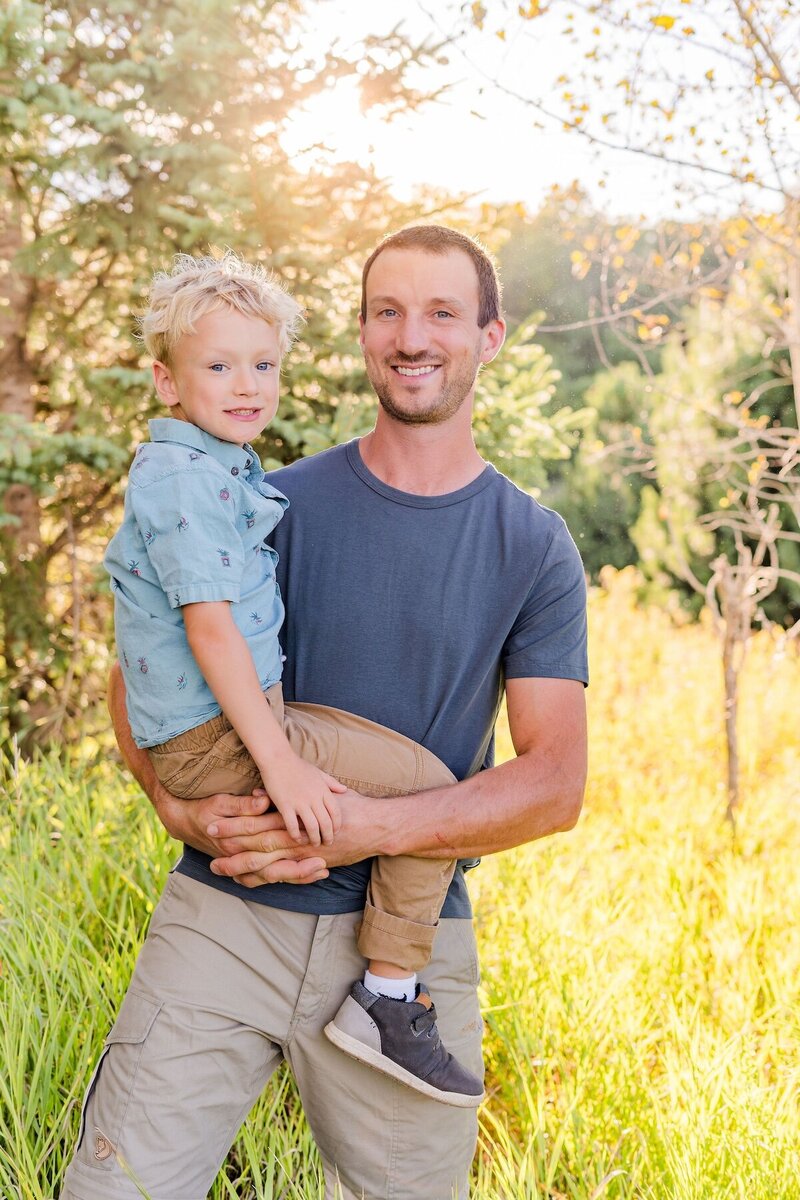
x=410, y=498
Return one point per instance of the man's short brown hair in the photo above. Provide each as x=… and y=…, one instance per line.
x=438, y=239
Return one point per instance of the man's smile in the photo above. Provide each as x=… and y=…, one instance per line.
x=414, y=372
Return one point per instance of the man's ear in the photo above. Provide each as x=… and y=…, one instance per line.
x=361, y=331
x=164, y=382
x=494, y=334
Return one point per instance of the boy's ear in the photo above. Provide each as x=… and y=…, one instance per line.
x=164, y=382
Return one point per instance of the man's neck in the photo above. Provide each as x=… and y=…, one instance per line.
x=423, y=460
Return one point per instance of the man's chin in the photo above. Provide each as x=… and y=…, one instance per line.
x=432, y=413
x=417, y=417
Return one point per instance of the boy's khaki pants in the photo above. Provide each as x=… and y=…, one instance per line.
x=405, y=894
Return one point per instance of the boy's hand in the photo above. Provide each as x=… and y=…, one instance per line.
x=305, y=797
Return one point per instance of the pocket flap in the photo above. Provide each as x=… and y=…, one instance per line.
x=135, y=1019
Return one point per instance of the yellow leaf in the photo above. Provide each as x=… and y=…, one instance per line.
x=478, y=14
x=501, y=33
x=663, y=22
x=617, y=261
x=733, y=397
x=687, y=29
x=710, y=75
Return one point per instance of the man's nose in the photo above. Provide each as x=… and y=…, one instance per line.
x=411, y=337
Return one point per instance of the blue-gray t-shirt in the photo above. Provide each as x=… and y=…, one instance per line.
x=411, y=611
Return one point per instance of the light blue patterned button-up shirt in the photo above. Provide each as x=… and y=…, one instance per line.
x=197, y=511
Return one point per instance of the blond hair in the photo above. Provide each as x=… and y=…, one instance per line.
x=196, y=286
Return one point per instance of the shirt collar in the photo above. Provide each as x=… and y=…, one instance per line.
x=168, y=429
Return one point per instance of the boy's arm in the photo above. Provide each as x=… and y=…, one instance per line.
x=538, y=793
x=300, y=791
x=188, y=820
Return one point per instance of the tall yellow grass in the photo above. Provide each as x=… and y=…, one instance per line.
x=641, y=974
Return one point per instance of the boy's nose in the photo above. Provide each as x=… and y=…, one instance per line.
x=244, y=384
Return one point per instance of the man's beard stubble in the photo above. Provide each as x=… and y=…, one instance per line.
x=453, y=394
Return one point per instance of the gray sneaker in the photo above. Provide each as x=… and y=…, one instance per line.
x=400, y=1038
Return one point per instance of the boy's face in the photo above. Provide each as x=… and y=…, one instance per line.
x=224, y=377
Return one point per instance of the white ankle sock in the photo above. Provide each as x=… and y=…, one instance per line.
x=395, y=989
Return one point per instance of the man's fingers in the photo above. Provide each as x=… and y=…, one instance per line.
x=237, y=806
x=245, y=826
x=268, y=868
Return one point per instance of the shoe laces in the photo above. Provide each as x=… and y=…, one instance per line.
x=426, y=1023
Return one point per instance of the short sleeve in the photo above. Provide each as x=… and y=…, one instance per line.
x=188, y=522
x=548, y=638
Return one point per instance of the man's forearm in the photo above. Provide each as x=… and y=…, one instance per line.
x=137, y=760
x=538, y=793
x=506, y=806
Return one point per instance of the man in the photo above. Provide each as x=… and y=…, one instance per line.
x=434, y=583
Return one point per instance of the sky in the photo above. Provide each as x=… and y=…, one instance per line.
x=479, y=141
x=475, y=139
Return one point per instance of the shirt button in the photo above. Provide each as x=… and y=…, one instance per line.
x=234, y=470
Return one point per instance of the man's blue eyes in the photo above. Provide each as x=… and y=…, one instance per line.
x=392, y=312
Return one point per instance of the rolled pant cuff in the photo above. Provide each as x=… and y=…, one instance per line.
x=397, y=940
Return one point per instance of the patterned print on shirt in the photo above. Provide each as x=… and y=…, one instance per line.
x=133, y=567
x=255, y=618
x=181, y=682
x=250, y=517
x=224, y=494
x=225, y=557
x=182, y=524
x=143, y=667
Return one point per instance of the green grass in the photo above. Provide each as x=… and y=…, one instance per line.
x=641, y=975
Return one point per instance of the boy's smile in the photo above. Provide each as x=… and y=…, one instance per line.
x=224, y=377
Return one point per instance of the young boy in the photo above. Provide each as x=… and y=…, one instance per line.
x=198, y=613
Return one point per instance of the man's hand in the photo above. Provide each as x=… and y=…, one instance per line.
x=247, y=843
x=189, y=821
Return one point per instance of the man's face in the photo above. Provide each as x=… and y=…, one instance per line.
x=224, y=377
x=421, y=340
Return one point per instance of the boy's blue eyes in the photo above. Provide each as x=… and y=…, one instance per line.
x=262, y=366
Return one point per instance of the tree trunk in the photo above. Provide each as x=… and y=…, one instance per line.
x=792, y=325
x=736, y=609
x=23, y=596
x=731, y=675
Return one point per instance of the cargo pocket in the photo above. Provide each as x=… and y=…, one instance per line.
x=115, y=1075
